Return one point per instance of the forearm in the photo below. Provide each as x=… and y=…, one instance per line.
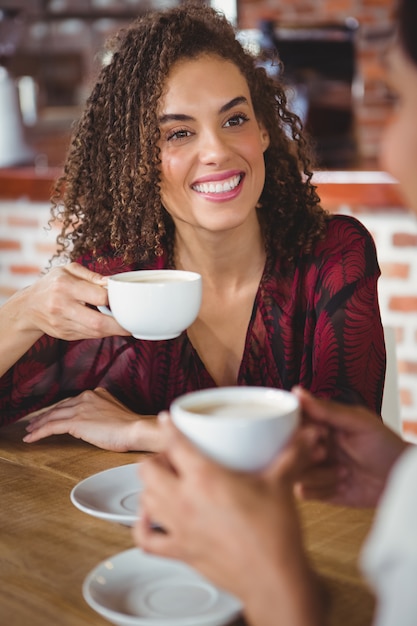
x=291, y=596
x=15, y=335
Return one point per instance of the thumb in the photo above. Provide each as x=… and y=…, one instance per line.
x=331, y=414
x=181, y=452
x=307, y=447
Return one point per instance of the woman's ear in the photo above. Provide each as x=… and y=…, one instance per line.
x=264, y=138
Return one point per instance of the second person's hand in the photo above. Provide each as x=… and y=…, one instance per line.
x=234, y=527
x=361, y=453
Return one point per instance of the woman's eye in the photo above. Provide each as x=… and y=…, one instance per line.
x=237, y=120
x=182, y=133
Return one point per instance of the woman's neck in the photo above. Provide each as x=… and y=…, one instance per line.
x=223, y=259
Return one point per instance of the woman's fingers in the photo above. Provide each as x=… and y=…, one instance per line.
x=320, y=483
x=62, y=304
x=98, y=418
x=86, y=274
x=161, y=485
x=183, y=455
x=152, y=539
x=333, y=414
x=51, y=421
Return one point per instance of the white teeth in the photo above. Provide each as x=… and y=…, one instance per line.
x=227, y=185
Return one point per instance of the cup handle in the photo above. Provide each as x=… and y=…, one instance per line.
x=105, y=310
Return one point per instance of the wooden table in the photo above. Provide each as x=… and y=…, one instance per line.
x=47, y=546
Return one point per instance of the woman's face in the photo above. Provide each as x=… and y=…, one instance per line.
x=212, y=165
x=399, y=144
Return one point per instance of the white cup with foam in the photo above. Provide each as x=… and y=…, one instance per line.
x=243, y=428
x=154, y=304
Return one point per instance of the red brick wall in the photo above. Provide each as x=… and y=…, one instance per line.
x=26, y=244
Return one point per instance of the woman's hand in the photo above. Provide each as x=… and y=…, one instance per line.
x=240, y=530
x=98, y=418
x=361, y=453
x=58, y=304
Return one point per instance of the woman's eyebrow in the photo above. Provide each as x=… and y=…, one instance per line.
x=234, y=102
x=174, y=117
x=181, y=117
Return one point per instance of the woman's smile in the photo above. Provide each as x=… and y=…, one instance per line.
x=220, y=188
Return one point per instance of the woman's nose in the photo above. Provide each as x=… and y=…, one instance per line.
x=213, y=148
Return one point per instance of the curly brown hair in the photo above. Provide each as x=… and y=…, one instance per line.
x=108, y=198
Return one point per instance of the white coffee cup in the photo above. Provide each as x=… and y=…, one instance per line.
x=154, y=304
x=243, y=428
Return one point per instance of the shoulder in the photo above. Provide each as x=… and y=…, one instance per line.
x=346, y=226
x=345, y=233
x=345, y=253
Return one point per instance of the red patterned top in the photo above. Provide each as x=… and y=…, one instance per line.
x=315, y=322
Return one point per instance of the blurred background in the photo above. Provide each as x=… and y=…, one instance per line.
x=52, y=50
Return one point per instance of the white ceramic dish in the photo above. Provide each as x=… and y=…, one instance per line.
x=112, y=495
x=138, y=589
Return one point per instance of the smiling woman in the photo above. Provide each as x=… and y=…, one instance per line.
x=187, y=157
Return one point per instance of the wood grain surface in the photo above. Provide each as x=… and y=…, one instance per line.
x=47, y=546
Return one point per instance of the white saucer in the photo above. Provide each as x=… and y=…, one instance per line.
x=138, y=589
x=111, y=495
